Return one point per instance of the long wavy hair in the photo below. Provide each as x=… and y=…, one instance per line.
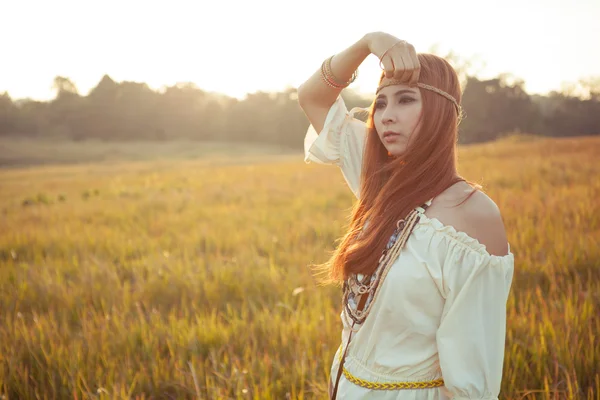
x=392, y=186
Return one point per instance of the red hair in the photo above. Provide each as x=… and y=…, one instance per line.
x=391, y=187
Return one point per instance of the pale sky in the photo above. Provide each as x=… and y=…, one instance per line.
x=236, y=47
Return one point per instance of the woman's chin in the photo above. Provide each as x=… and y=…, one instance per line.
x=395, y=151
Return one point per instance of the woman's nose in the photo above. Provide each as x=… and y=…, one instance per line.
x=387, y=116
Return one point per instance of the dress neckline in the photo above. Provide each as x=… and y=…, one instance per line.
x=460, y=236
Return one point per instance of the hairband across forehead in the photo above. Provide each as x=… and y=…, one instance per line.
x=385, y=82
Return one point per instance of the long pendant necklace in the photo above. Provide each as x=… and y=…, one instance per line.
x=354, y=287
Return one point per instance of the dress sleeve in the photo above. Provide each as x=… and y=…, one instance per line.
x=472, y=331
x=341, y=143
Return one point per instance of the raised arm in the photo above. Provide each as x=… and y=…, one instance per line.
x=399, y=61
x=316, y=97
x=334, y=135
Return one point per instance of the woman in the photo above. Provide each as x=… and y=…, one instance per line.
x=425, y=266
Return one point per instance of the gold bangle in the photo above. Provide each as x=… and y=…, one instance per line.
x=352, y=78
x=327, y=79
x=331, y=79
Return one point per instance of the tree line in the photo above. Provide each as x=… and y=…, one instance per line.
x=118, y=111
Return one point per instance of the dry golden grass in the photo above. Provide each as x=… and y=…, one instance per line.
x=176, y=279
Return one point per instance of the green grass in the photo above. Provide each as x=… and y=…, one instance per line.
x=189, y=278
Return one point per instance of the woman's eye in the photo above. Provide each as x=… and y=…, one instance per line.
x=406, y=100
x=379, y=105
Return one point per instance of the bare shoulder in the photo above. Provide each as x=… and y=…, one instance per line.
x=479, y=216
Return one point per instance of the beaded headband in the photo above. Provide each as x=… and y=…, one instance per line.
x=389, y=82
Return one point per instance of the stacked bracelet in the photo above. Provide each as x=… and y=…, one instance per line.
x=330, y=79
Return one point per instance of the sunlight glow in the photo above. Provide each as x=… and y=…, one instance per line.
x=240, y=47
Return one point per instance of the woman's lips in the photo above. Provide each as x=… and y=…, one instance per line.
x=389, y=137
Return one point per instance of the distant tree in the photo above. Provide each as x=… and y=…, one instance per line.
x=63, y=85
x=132, y=111
x=591, y=86
x=9, y=115
x=65, y=110
x=494, y=107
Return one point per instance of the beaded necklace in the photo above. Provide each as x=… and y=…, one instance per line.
x=358, y=285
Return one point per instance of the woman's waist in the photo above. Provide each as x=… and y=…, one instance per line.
x=390, y=365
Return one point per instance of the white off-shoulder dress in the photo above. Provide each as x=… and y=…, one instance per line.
x=441, y=310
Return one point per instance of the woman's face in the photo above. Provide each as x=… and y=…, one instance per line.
x=396, y=116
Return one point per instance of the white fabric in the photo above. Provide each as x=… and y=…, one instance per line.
x=441, y=312
x=342, y=145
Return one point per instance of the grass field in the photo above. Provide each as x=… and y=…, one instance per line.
x=26, y=152
x=183, y=278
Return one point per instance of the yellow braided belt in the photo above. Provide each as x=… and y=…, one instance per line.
x=392, y=385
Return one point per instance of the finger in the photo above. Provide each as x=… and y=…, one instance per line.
x=388, y=66
x=405, y=72
x=416, y=67
x=413, y=77
x=408, y=70
x=399, y=61
x=399, y=68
